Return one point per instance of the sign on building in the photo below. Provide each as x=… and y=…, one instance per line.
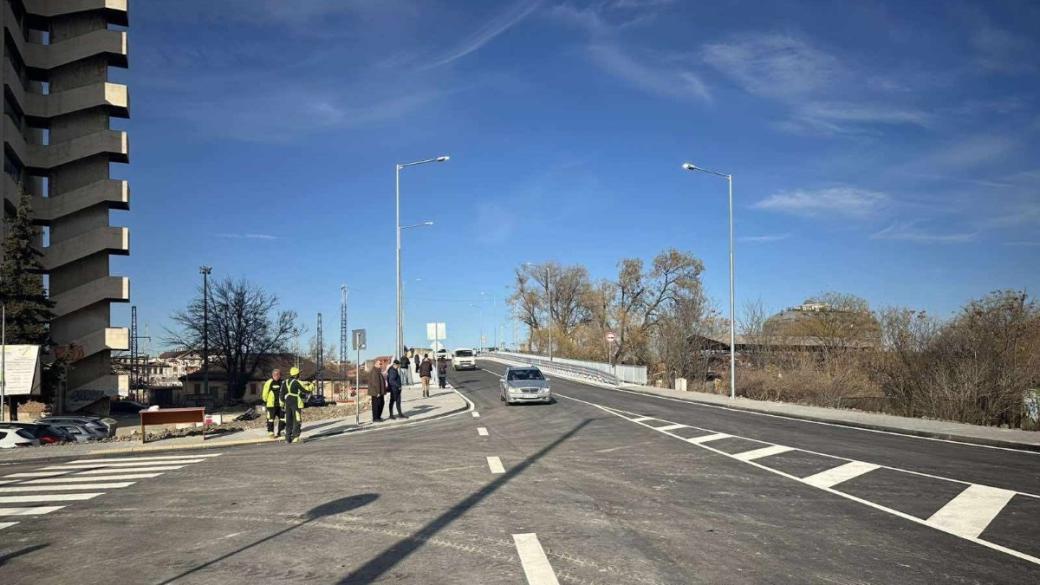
x=22, y=370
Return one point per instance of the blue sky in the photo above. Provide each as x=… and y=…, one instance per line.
x=886, y=149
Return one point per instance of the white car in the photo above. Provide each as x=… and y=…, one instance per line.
x=464, y=359
x=11, y=438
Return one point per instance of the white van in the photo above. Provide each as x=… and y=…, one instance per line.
x=464, y=359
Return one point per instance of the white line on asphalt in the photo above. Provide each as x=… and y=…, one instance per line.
x=642, y=418
x=68, y=466
x=482, y=431
x=670, y=428
x=533, y=560
x=763, y=452
x=6, y=524
x=156, y=458
x=134, y=470
x=78, y=478
x=496, y=465
x=835, y=475
x=65, y=488
x=971, y=511
x=47, y=498
x=707, y=438
x=476, y=414
x=3, y=481
x=30, y=511
x=36, y=474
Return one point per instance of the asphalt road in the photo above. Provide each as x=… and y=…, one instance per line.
x=601, y=487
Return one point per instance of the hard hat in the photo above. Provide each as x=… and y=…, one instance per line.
x=294, y=371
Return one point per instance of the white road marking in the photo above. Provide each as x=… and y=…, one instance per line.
x=30, y=511
x=3, y=481
x=156, y=458
x=482, y=431
x=76, y=478
x=496, y=465
x=67, y=488
x=6, y=524
x=476, y=414
x=131, y=471
x=669, y=428
x=47, y=498
x=71, y=466
x=707, y=438
x=971, y=511
x=642, y=418
x=37, y=474
x=835, y=475
x=763, y=452
x=532, y=558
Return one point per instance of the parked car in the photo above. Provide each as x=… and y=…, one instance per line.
x=94, y=425
x=13, y=437
x=464, y=359
x=47, y=434
x=525, y=384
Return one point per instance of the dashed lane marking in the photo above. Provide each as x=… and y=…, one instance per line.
x=6, y=524
x=835, y=475
x=707, y=438
x=971, y=511
x=482, y=431
x=532, y=558
x=495, y=464
x=30, y=511
x=763, y=452
x=476, y=414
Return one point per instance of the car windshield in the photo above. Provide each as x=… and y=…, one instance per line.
x=525, y=375
x=464, y=353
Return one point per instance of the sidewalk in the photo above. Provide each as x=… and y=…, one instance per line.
x=935, y=429
x=441, y=402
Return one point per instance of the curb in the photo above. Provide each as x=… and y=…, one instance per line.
x=953, y=437
x=464, y=408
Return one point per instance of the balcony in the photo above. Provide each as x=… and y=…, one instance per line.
x=114, y=144
x=115, y=10
x=99, y=42
x=113, y=240
x=113, y=193
x=110, y=289
x=114, y=97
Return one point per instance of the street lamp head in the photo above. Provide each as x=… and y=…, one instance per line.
x=690, y=167
x=444, y=158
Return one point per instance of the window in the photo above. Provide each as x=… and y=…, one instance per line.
x=13, y=167
x=525, y=375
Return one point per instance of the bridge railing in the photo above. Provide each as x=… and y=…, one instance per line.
x=599, y=371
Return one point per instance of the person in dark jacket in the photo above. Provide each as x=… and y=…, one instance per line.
x=393, y=383
x=425, y=373
x=403, y=369
x=376, y=391
x=442, y=371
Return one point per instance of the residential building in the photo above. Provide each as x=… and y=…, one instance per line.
x=58, y=146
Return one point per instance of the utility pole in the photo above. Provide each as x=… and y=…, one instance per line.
x=3, y=360
x=135, y=354
x=548, y=292
x=343, y=339
x=319, y=359
x=205, y=271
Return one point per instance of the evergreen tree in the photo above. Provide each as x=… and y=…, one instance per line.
x=21, y=280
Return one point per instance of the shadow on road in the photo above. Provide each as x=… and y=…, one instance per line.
x=22, y=551
x=330, y=508
x=375, y=568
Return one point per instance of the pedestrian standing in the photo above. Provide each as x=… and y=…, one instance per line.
x=272, y=395
x=393, y=383
x=293, y=405
x=403, y=370
x=376, y=391
x=425, y=372
x=442, y=371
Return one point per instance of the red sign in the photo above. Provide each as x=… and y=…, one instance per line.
x=611, y=337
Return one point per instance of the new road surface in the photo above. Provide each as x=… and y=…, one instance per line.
x=604, y=486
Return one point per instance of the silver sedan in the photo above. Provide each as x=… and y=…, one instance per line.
x=525, y=384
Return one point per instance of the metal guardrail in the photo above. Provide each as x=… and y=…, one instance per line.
x=558, y=366
x=618, y=372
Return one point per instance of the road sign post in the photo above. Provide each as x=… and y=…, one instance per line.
x=359, y=341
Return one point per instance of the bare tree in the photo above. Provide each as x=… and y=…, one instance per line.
x=244, y=329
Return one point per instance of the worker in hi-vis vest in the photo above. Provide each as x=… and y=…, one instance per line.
x=292, y=405
x=272, y=397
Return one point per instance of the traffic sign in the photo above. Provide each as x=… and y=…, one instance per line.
x=358, y=336
x=611, y=337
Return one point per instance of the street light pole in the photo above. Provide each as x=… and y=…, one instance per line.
x=732, y=272
x=398, y=348
x=548, y=292
x=205, y=271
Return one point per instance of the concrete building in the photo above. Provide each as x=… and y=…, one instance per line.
x=59, y=146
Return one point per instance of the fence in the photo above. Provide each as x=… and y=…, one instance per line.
x=593, y=370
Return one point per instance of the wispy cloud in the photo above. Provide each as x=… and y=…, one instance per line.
x=764, y=239
x=1024, y=244
x=849, y=117
x=912, y=232
x=248, y=236
x=970, y=150
x=492, y=29
x=649, y=75
x=773, y=65
x=845, y=201
x=1001, y=51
